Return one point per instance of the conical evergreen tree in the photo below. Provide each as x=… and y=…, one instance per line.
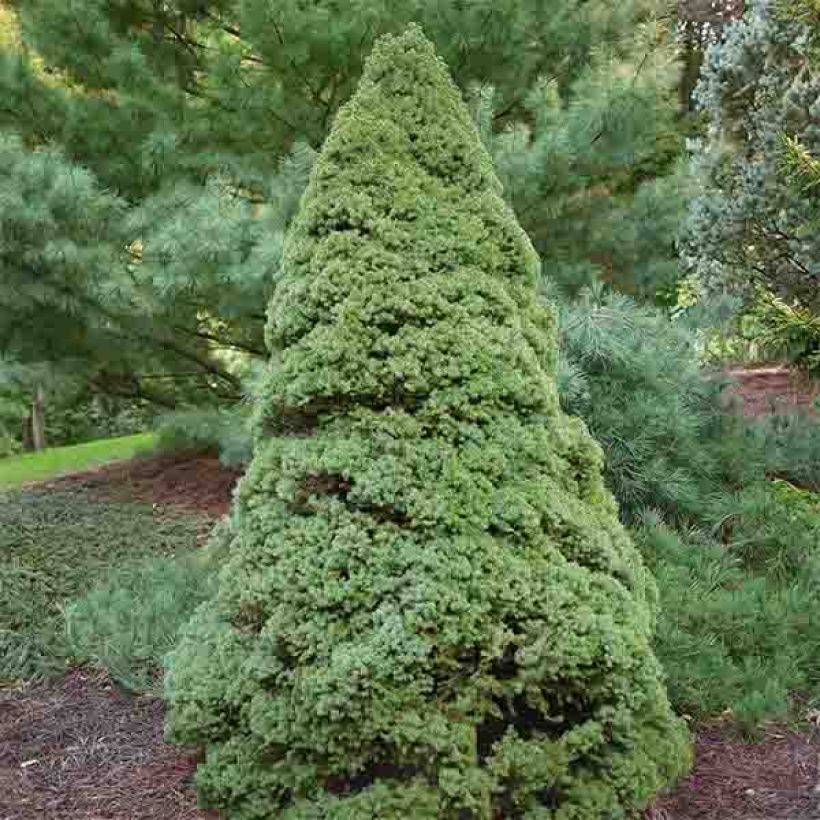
x=428, y=608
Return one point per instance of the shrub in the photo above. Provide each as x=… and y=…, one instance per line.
x=731, y=638
x=77, y=417
x=224, y=430
x=793, y=448
x=773, y=528
x=634, y=376
x=131, y=621
x=787, y=332
x=429, y=607
x=9, y=446
x=766, y=329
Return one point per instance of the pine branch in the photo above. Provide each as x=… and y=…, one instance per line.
x=137, y=391
x=316, y=96
x=136, y=333
x=631, y=85
x=223, y=343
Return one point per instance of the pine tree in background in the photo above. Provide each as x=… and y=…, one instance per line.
x=428, y=608
x=591, y=166
x=59, y=258
x=202, y=119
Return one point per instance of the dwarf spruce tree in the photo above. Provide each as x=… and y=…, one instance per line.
x=428, y=608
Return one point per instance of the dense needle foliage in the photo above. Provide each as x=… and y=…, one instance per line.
x=634, y=376
x=179, y=136
x=733, y=640
x=752, y=224
x=429, y=607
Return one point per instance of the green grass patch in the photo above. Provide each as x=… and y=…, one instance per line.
x=59, y=544
x=18, y=470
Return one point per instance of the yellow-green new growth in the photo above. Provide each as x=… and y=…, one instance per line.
x=428, y=607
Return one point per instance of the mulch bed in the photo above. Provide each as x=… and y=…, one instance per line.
x=193, y=481
x=82, y=749
x=764, y=390
x=775, y=779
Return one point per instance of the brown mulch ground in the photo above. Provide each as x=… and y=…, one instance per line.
x=777, y=778
x=764, y=390
x=81, y=749
x=194, y=481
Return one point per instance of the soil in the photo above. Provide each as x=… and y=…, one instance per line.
x=777, y=778
x=193, y=481
x=82, y=749
x=764, y=390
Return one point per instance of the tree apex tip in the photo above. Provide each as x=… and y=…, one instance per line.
x=412, y=36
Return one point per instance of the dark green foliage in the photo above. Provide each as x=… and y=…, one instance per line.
x=793, y=448
x=73, y=413
x=730, y=637
x=55, y=545
x=429, y=608
x=73, y=419
x=190, y=127
x=772, y=528
x=634, y=376
x=9, y=445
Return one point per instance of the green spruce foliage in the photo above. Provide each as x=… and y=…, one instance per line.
x=429, y=608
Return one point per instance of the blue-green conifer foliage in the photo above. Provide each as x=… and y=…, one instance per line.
x=427, y=608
